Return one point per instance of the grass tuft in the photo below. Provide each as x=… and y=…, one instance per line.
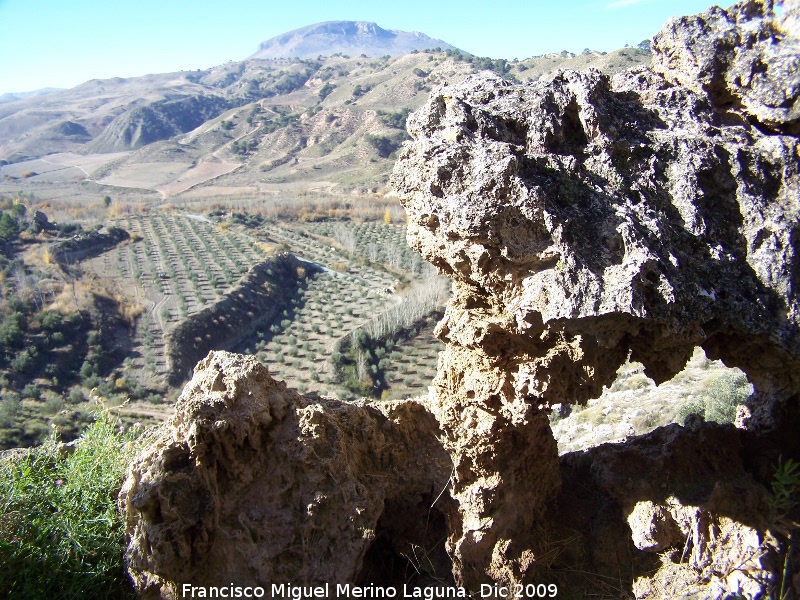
x=60, y=533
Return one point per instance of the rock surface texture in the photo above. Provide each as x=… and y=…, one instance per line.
x=582, y=220
x=254, y=484
x=585, y=219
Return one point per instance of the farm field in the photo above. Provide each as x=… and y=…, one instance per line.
x=174, y=266
x=342, y=298
x=61, y=167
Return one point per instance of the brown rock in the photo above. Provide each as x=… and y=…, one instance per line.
x=652, y=527
x=252, y=483
x=585, y=220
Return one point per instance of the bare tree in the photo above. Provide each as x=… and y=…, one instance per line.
x=373, y=252
x=416, y=303
x=344, y=235
x=362, y=366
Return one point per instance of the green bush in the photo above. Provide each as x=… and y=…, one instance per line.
x=53, y=405
x=51, y=321
x=31, y=391
x=719, y=400
x=12, y=331
x=396, y=120
x=60, y=533
x=9, y=408
x=325, y=91
x=24, y=361
x=384, y=144
x=76, y=396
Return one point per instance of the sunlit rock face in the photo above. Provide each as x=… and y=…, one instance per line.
x=584, y=220
x=254, y=484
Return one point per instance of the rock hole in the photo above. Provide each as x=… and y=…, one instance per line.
x=572, y=128
x=409, y=547
x=177, y=459
x=634, y=405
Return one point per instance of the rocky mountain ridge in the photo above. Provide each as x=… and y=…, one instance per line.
x=346, y=37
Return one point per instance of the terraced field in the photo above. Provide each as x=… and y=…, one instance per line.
x=175, y=266
x=360, y=277
x=413, y=361
x=354, y=285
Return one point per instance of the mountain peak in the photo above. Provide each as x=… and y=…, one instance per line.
x=346, y=37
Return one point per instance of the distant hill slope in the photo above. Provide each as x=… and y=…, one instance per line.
x=13, y=97
x=352, y=38
x=257, y=125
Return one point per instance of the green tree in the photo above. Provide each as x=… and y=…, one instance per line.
x=12, y=331
x=9, y=228
x=384, y=144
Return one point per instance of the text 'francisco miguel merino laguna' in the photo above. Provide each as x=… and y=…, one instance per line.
x=346, y=590
x=298, y=592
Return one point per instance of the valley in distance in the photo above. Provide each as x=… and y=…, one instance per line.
x=149, y=220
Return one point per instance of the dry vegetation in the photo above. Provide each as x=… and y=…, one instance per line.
x=635, y=405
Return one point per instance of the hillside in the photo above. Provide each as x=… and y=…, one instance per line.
x=241, y=128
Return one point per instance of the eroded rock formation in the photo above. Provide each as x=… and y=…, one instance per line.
x=254, y=484
x=585, y=219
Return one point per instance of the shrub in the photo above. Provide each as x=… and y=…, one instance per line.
x=719, y=401
x=76, y=396
x=9, y=408
x=51, y=321
x=384, y=144
x=396, y=120
x=724, y=395
x=31, y=391
x=23, y=362
x=12, y=330
x=53, y=405
x=61, y=534
x=637, y=381
x=88, y=369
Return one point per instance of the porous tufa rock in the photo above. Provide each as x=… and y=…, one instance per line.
x=748, y=61
x=252, y=483
x=585, y=220
x=653, y=528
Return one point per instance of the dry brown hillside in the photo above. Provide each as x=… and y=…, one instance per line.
x=257, y=125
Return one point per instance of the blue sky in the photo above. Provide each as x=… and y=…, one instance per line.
x=62, y=43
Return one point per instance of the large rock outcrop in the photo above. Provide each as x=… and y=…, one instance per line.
x=584, y=220
x=253, y=484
